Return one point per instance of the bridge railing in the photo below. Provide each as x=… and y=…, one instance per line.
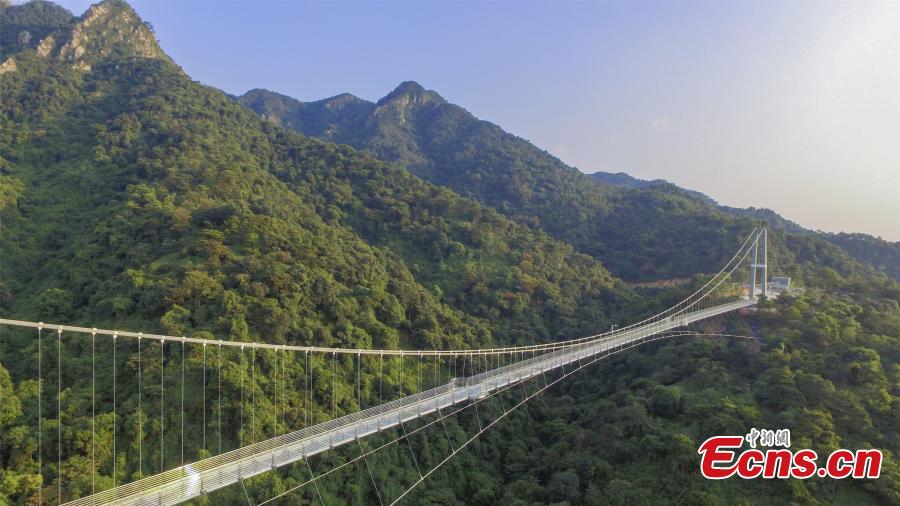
x=252, y=450
x=215, y=472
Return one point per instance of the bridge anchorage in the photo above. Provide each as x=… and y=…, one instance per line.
x=438, y=384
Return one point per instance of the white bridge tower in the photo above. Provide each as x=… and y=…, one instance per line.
x=756, y=266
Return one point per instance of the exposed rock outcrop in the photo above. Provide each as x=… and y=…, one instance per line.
x=8, y=66
x=107, y=27
x=45, y=47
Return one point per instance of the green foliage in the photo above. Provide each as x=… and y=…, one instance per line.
x=135, y=198
x=444, y=144
x=641, y=230
x=633, y=434
x=140, y=199
x=23, y=26
x=870, y=250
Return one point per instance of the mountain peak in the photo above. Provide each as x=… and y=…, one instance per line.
x=110, y=28
x=342, y=100
x=409, y=87
x=410, y=93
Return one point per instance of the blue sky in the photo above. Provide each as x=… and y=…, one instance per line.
x=793, y=106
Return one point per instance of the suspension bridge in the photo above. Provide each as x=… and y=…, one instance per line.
x=459, y=379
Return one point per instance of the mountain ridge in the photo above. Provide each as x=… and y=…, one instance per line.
x=133, y=197
x=105, y=27
x=868, y=249
x=447, y=145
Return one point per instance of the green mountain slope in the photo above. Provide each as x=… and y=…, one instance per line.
x=639, y=229
x=140, y=136
x=27, y=24
x=132, y=197
x=873, y=251
x=625, y=180
x=637, y=234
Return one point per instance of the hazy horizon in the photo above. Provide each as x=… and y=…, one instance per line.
x=794, y=107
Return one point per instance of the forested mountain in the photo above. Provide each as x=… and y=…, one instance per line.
x=25, y=26
x=623, y=179
x=873, y=251
x=134, y=135
x=445, y=144
x=627, y=181
x=870, y=250
x=132, y=197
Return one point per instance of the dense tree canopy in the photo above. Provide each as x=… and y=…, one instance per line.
x=132, y=197
x=668, y=231
x=443, y=143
